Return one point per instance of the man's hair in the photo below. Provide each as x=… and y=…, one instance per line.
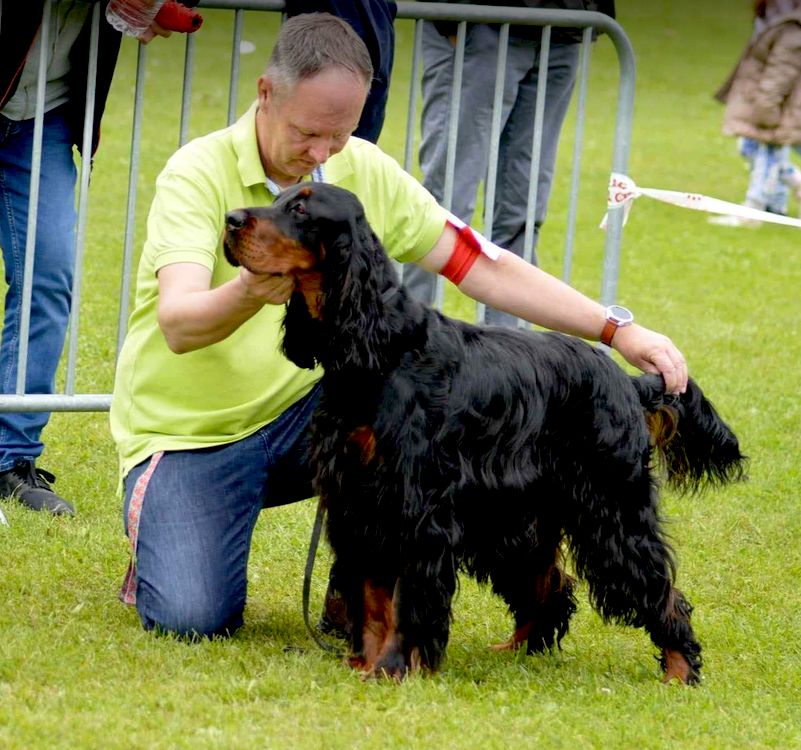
x=313, y=42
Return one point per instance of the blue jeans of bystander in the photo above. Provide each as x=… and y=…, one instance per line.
x=20, y=434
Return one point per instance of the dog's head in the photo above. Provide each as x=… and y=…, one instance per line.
x=290, y=237
x=317, y=234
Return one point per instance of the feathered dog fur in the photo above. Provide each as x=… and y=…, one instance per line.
x=441, y=446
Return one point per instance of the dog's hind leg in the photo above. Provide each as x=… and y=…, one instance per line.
x=528, y=575
x=619, y=548
x=671, y=631
x=544, y=619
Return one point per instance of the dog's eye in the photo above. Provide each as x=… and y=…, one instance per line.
x=298, y=208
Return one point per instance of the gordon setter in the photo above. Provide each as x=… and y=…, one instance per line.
x=441, y=446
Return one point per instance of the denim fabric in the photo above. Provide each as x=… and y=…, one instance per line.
x=772, y=173
x=475, y=122
x=199, y=511
x=53, y=269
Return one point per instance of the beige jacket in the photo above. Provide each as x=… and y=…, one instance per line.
x=763, y=93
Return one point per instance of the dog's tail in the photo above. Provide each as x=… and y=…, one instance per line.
x=696, y=448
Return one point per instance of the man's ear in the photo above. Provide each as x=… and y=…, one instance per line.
x=265, y=89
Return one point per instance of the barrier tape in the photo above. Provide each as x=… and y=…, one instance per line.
x=623, y=191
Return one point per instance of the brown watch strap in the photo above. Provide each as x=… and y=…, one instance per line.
x=608, y=332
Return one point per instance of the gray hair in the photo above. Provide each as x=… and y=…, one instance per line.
x=313, y=42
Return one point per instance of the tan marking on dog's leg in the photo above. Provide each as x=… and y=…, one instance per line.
x=519, y=637
x=377, y=618
x=392, y=662
x=676, y=667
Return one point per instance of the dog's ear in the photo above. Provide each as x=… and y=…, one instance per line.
x=303, y=335
x=356, y=273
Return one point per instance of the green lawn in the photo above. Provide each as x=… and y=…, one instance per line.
x=77, y=671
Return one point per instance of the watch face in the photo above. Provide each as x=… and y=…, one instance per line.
x=618, y=314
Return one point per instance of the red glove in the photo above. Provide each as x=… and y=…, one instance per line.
x=174, y=16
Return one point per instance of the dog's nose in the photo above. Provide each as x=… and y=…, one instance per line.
x=236, y=219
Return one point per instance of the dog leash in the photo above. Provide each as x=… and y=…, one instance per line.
x=314, y=543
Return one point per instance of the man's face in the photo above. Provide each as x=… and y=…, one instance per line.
x=301, y=127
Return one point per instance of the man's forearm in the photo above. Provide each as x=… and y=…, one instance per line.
x=195, y=319
x=517, y=287
x=511, y=284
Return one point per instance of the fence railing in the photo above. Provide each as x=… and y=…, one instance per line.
x=70, y=400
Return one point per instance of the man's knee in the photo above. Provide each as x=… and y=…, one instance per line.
x=193, y=617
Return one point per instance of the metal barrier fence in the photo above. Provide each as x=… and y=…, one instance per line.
x=69, y=400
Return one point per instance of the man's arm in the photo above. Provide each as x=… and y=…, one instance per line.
x=192, y=315
x=517, y=287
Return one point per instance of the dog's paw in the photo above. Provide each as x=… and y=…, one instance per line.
x=678, y=668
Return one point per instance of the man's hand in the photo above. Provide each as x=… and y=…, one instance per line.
x=172, y=16
x=152, y=32
x=652, y=352
x=192, y=315
x=267, y=288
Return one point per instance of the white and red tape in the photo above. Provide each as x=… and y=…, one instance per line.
x=623, y=191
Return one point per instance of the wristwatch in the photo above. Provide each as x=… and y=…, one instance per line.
x=616, y=317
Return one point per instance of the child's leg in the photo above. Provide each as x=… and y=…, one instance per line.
x=747, y=148
x=790, y=174
x=766, y=190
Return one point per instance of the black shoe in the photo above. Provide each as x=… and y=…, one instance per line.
x=31, y=486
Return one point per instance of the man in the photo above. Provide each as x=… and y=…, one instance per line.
x=209, y=418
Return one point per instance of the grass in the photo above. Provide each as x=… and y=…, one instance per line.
x=76, y=671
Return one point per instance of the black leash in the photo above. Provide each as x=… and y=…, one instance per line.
x=314, y=543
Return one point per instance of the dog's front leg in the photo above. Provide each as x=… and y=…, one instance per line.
x=377, y=626
x=397, y=657
x=422, y=606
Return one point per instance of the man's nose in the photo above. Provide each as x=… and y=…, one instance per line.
x=320, y=150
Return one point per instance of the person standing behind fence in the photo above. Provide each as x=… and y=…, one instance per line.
x=475, y=118
x=373, y=21
x=763, y=107
x=67, y=61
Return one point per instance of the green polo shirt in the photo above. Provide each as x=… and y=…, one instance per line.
x=226, y=391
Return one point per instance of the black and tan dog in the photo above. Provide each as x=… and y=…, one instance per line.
x=441, y=446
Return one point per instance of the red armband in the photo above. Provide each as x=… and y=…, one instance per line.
x=173, y=16
x=465, y=253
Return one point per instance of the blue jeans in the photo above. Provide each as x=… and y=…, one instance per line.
x=198, y=514
x=53, y=269
x=772, y=173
